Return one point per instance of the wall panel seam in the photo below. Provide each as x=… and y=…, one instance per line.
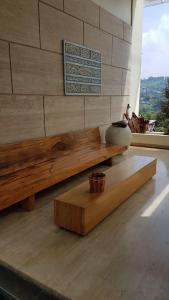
x=10, y=63
x=29, y=46
x=41, y=1
x=84, y=99
x=123, y=40
x=44, y=115
x=131, y=12
x=53, y=51
x=110, y=109
x=123, y=31
x=41, y=49
x=99, y=16
x=57, y=95
x=83, y=33
x=112, y=46
x=122, y=68
x=39, y=25
x=113, y=35
x=122, y=83
x=6, y=94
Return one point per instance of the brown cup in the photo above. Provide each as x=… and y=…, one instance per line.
x=97, y=182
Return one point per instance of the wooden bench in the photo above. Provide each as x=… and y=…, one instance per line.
x=30, y=166
x=80, y=211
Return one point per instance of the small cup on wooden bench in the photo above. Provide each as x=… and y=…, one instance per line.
x=97, y=182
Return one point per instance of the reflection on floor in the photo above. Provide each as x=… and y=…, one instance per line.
x=125, y=258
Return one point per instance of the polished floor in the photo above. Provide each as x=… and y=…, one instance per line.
x=14, y=286
x=125, y=258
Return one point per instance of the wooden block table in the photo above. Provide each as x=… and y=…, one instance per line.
x=80, y=211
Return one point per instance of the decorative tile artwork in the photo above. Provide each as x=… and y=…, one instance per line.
x=82, y=70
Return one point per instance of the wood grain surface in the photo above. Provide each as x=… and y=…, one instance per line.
x=80, y=211
x=31, y=166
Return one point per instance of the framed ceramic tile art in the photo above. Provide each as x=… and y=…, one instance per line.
x=82, y=70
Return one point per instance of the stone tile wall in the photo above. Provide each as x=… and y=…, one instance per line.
x=32, y=101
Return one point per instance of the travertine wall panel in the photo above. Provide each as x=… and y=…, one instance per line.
x=19, y=21
x=121, y=53
x=110, y=23
x=100, y=40
x=111, y=80
x=5, y=74
x=85, y=10
x=36, y=71
x=97, y=111
x=63, y=114
x=118, y=107
x=32, y=101
x=127, y=33
x=57, y=26
x=126, y=83
x=21, y=117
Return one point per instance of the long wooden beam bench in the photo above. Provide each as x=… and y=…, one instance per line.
x=30, y=166
x=80, y=211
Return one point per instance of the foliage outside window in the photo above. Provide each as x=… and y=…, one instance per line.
x=154, y=102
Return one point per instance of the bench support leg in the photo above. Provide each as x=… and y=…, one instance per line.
x=109, y=162
x=29, y=203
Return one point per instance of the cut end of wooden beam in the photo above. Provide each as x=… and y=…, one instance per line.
x=29, y=203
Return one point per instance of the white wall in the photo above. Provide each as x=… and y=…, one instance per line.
x=119, y=8
x=138, y=6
